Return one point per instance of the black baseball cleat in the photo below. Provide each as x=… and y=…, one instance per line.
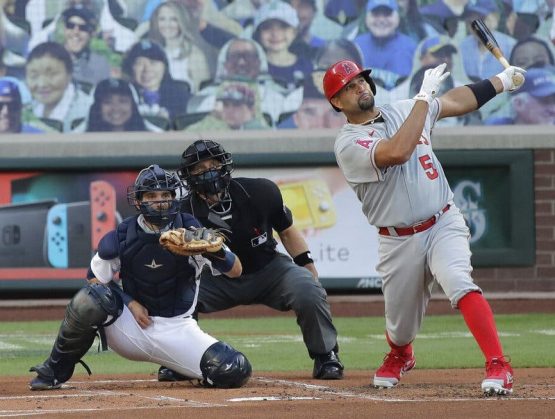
x=165, y=374
x=44, y=380
x=328, y=367
x=41, y=383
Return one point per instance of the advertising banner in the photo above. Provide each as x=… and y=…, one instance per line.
x=51, y=222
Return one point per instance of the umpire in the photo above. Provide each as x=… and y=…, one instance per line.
x=248, y=210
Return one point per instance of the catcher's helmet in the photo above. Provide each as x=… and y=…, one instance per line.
x=209, y=182
x=154, y=178
x=340, y=74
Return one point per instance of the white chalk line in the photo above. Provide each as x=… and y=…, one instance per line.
x=88, y=393
x=15, y=413
x=84, y=393
x=270, y=398
x=334, y=392
x=152, y=380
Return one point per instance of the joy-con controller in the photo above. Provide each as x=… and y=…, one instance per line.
x=56, y=236
x=311, y=203
x=103, y=210
x=69, y=235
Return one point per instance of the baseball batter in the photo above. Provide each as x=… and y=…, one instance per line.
x=150, y=319
x=387, y=158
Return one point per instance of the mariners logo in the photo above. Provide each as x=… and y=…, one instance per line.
x=468, y=195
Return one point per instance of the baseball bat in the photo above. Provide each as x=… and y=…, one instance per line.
x=488, y=40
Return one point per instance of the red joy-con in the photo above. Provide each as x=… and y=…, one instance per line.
x=103, y=210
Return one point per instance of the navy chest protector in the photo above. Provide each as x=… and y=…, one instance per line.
x=162, y=282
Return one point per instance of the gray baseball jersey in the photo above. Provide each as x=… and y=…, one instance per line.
x=399, y=195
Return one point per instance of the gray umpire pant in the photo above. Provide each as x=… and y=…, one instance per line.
x=281, y=285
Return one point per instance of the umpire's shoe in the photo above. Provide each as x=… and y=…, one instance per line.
x=328, y=367
x=165, y=374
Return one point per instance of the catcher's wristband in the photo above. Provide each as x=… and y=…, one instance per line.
x=221, y=264
x=303, y=259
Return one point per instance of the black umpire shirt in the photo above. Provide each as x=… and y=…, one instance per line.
x=257, y=209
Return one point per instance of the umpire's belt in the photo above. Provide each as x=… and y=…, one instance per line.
x=415, y=228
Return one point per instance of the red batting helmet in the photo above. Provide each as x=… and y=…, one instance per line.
x=341, y=73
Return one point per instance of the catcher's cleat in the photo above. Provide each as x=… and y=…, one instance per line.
x=499, y=377
x=392, y=369
x=43, y=383
x=45, y=379
x=328, y=367
x=165, y=374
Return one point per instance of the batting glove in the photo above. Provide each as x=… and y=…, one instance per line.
x=433, y=78
x=512, y=78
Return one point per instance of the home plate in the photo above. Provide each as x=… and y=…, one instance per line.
x=269, y=398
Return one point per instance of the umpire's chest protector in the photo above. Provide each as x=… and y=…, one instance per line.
x=162, y=282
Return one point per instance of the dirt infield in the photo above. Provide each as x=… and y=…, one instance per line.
x=422, y=394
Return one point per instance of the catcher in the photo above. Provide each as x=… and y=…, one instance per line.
x=150, y=319
x=250, y=210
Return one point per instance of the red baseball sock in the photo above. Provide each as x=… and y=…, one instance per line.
x=479, y=319
x=401, y=350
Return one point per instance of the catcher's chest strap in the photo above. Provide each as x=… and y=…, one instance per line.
x=415, y=228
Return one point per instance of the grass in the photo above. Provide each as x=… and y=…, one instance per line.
x=275, y=344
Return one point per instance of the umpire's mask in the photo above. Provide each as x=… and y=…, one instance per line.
x=214, y=181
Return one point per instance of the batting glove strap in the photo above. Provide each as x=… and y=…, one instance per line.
x=506, y=77
x=424, y=97
x=433, y=77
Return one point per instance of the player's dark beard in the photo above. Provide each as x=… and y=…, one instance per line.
x=366, y=104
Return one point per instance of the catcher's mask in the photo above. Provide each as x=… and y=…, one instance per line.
x=213, y=182
x=157, y=212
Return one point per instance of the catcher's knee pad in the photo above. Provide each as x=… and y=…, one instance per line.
x=86, y=312
x=93, y=304
x=224, y=367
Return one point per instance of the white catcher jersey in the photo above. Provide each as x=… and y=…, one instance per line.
x=399, y=195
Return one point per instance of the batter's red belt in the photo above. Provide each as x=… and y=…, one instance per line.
x=415, y=228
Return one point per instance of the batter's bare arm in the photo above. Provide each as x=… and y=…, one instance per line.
x=295, y=244
x=464, y=99
x=398, y=149
x=461, y=100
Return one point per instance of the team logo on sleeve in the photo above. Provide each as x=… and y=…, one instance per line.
x=365, y=142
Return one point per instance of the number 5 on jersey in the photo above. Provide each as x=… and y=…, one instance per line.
x=428, y=165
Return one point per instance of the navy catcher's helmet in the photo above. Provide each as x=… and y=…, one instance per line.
x=154, y=178
x=210, y=182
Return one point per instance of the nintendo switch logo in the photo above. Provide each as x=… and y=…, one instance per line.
x=11, y=235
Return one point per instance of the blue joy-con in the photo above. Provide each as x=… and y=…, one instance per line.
x=57, y=236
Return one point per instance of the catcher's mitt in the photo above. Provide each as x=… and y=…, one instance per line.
x=185, y=242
